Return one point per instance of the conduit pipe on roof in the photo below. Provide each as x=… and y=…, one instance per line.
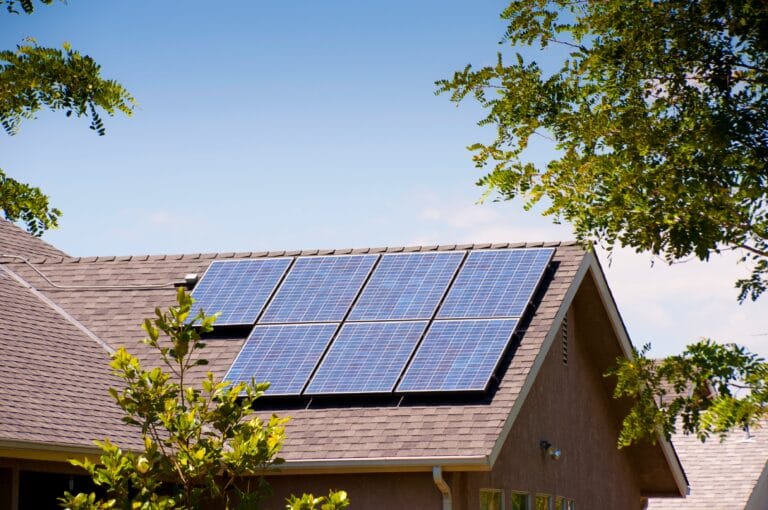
x=442, y=486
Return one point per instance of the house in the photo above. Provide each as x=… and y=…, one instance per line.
x=731, y=474
x=541, y=432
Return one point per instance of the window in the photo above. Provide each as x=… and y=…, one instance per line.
x=543, y=502
x=491, y=499
x=521, y=501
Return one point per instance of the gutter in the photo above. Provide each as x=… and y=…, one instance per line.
x=442, y=486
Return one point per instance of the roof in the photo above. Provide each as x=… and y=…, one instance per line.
x=53, y=386
x=15, y=241
x=98, y=304
x=728, y=474
x=407, y=432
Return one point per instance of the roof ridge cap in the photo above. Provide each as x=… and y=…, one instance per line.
x=311, y=252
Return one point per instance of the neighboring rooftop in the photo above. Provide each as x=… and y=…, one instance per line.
x=725, y=475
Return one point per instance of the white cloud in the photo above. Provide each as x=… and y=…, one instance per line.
x=675, y=305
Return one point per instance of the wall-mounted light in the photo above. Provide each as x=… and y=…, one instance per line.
x=550, y=449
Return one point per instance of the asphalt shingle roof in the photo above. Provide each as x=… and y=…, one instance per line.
x=54, y=378
x=344, y=431
x=721, y=475
x=14, y=241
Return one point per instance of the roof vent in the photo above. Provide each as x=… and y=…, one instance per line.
x=564, y=340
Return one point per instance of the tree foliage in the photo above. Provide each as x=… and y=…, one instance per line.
x=20, y=201
x=33, y=78
x=202, y=446
x=659, y=115
x=708, y=389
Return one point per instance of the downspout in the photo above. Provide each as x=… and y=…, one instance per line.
x=437, y=476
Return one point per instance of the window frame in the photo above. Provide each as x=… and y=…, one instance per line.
x=526, y=495
x=550, y=501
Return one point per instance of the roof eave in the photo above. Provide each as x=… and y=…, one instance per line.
x=47, y=451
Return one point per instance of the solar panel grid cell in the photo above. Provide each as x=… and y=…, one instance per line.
x=406, y=286
x=495, y=283
x=366, y=357
x=284, y=355
x=458, y=355
x=319, y=289
x=238, y=289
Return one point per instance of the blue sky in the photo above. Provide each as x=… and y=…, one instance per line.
x=281, y=125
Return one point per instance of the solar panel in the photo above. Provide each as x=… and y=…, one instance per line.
x=319, y=289
x=366, y=357
x=238, y=288
x=406, y=286
x=495, y=283
x=458, y=355
x=284, y=355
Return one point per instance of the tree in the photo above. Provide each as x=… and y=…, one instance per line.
x=202, y=446
x=659, y=120
x=33, y=77
x=708, y=389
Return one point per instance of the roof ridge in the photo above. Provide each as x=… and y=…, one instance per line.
x=304, y=253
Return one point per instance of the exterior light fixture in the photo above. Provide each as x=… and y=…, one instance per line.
x=550, y=449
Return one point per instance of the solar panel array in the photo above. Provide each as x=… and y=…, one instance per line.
x=319, y=289
x=497, y=283
x=364, y=324
x=458, y=355
x=367, y=357
x=407, y=286
x=284, y=355
x=238, y=289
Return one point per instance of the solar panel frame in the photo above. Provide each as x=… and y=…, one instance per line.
x=267, y=344
x=239, y=289
x=292, y=305
x=432, y=355
x=357, y=360
x=495, y=284
x=406, y=286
